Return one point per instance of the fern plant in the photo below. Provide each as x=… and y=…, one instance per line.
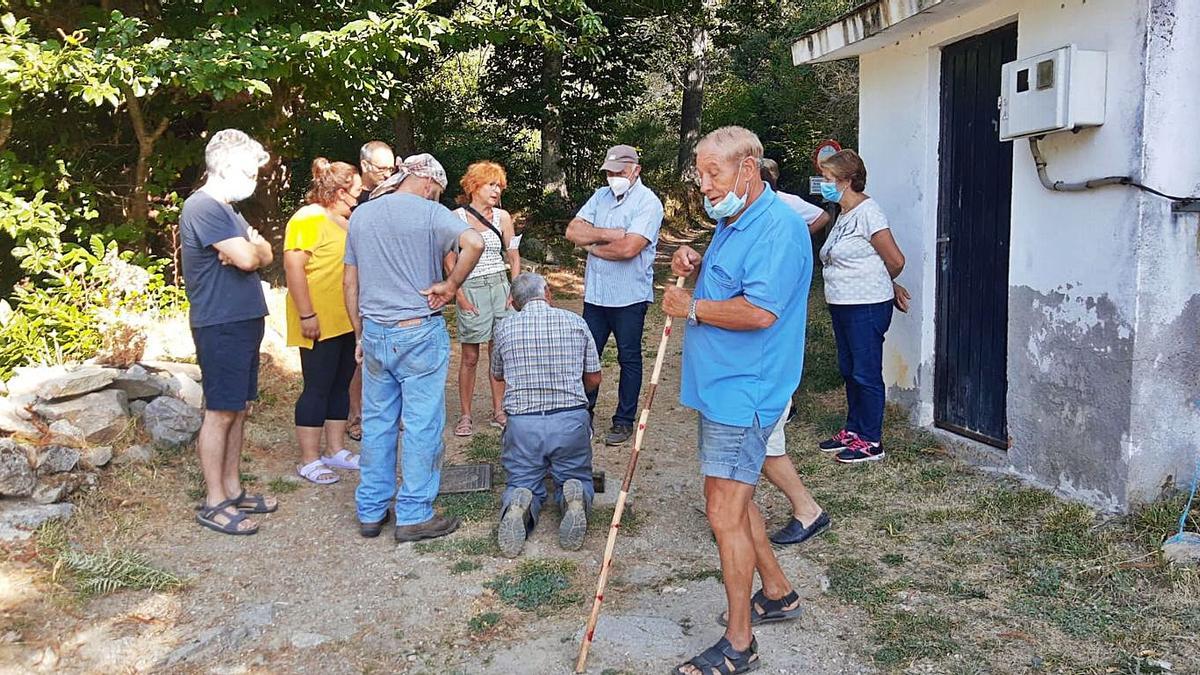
x=100, y=573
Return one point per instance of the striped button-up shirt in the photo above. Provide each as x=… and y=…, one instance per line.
x=620, y=283
x=542, y=353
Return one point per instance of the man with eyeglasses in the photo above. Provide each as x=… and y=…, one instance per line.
x=378, y=163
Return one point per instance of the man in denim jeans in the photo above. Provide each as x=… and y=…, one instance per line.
x=395, y=294
x=742, y=357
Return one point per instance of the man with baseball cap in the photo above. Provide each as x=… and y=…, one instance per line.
x=619, y=228
x=395, y=294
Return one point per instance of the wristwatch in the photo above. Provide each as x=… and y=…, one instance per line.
x=691, y=318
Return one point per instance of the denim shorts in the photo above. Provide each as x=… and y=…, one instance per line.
x=733, y=453
x=227, y=354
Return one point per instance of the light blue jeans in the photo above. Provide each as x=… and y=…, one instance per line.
x=404, y=377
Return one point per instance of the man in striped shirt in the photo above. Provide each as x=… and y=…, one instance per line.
x=548, y=362
x=619, y=228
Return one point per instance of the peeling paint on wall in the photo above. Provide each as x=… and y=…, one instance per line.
x=1069, y=417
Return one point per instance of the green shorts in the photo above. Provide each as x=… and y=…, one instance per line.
x=489, y=294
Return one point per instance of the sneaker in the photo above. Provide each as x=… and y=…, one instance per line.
x=437, y=526
x=574, y=519
x=513, y=526
x=859, y=450
x=796, y=533
x=618, y=434
x=838, y=442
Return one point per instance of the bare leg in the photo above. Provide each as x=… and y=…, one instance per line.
x=231, y=470
x=497, y=391
x=728, y=509
x=335, y=436
x=782, y=474
x=210, y=445
x=466, y=376
x=309, y=439
x=356, y=396
x=775, y=584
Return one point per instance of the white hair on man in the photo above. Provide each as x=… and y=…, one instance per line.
x=231, y=146
x=526, y=288
x=732, y=144
x=368, y=150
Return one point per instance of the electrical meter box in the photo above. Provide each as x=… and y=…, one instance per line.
x=1061, y=90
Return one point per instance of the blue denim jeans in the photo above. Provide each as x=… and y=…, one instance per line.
x=858, y=331
x=560, y=443
x=626, y=324
x=404, y=377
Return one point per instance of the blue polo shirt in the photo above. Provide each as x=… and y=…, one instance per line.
x=620, y=283
x=730, y=376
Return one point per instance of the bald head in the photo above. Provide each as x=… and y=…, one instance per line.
x=377, y=162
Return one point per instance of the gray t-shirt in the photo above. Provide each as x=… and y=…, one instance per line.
x=397, y=242
x=853, y=270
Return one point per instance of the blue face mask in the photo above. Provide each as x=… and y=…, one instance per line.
x=830, y=192
x=730, y=204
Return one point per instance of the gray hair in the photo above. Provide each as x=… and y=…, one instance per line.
x=732, y=144
x=526, y=287
x=369, y=149
x=228, y=146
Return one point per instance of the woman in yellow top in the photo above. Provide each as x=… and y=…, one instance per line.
x=318, y=323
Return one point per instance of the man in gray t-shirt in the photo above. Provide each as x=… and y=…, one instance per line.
x=395, y=294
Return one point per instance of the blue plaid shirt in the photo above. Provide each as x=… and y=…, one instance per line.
x=542, y=353
x=620, y=283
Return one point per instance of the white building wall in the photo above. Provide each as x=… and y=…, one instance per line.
x=1075, y=270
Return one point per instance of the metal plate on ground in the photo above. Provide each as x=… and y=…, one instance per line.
x=466, y=478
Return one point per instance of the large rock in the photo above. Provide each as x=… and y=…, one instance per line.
x=76, y=381
x=100, y=415
x=191, y=370
x=137, y=382
x=17, y=477
x=63, y=432
x=94, y=458
x=56, y=459
x=56, y=488
x=134, y=454
x=186, y=389
x=18, y=519
x=15, y=419
x=170, y=422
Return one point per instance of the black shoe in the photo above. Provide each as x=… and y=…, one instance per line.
x=796, y=533
x=838, y=442
x=618, y=434
x=372, y=530
x=861, y=451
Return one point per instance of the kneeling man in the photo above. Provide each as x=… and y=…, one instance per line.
x=547, y=359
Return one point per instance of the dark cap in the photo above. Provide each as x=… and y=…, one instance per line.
x=619, y=157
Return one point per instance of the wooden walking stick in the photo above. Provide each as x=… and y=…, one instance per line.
x=605, y=566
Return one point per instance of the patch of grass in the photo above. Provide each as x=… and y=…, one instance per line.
x=1155, y=522
x=482, y=623
x=1068, y=531
x=854, y=581
x=1012, y=503
x=964, y=591
x=609, y=356
x=464, y=566
x=459, y=546
x=471, y=507
x=934, y=473
x=282, y=486
x=537, y=584
x=892, y=524
x=248, y=478
x=892, y=559
x=100, y=573
x=906, y=637
x=631, y=520
x=484, y=448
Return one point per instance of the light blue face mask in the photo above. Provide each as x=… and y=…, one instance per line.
x=730, y=204
x=830, y=192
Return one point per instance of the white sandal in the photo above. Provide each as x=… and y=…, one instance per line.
x=342, y=459
x=316, y=472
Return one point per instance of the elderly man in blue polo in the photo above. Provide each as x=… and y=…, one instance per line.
x=619, y=228
x=741, y=363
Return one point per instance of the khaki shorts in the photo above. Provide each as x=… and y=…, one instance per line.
x=489, y=294
x=777, y=443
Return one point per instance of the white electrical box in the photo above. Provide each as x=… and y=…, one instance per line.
x=1061, y=90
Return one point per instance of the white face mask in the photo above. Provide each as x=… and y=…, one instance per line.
x=619, y=184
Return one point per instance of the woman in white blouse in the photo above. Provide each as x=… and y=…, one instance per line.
x=859, y=260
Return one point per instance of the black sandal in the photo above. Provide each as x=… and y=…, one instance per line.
x=207, y=514
x=723, y=659
x=765, y=610
x=253, y=503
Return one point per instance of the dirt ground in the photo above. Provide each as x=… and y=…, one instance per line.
x=931, y=567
